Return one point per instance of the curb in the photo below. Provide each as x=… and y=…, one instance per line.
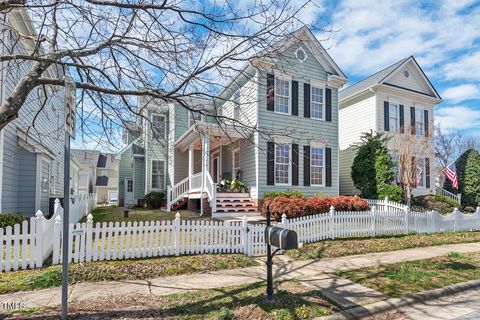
x=361, y=312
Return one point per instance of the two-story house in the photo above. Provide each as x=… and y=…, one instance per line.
x=274, y=126
x=394, y=98
x=31, y=152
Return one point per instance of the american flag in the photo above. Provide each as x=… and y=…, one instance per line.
x=451, y=173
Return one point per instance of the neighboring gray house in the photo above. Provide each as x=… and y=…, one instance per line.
x=280, y=132
x=31, y=156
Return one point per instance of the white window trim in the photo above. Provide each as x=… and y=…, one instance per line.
x=234, y=172
x=284, y=77
x=289, y=166
x=236, y=105
x=424, y=176
x=164, y=175
x=421, y=108
x=398, y=115
x=319, y=86
x=102, y=175
x=164, y=127
x=304, y=52
x=190, y=118
x=321, y=146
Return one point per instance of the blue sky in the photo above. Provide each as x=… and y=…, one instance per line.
x=444, y=37
x=369, y=35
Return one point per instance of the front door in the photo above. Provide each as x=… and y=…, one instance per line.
x=129, y=192
x=215, y=167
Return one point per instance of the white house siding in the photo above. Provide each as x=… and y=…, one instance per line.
x=414, y=82
x=48, y=132
x=410, y=99
x=357, y=116
x=302, y=130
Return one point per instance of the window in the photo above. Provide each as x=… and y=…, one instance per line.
x=421, y=173
x=235, y=162
x=158, y=174
x=236, y=105
x=395, y=168
x=194, y=117
x=301, y=55
x=158, y=126
x=316, y=103
x=104, y=173
x=316, y=165
x=393, y=117
x=129, y=185
x=282, y=164
x=419, y=122
x=282, y=96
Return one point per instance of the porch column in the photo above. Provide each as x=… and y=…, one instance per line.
x=191, y=160
x=205, y=167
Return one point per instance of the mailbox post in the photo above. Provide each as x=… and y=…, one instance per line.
x=282, y=239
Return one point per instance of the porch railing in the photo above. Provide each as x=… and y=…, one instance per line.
x=193, y=184
x=446, y=193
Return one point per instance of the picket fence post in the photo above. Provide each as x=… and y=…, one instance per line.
x=244, y=235
x=407, y=217
x=88, y=236
x=332, y=222
x=372, y=224
x=284, y=220
x=177, y=234
x=57, y=239
x=39, y=239
x=456, y=215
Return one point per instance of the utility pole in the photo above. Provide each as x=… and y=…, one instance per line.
x=70, y=104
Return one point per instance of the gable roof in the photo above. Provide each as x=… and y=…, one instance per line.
x=380, y=77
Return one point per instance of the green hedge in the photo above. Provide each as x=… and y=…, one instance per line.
x=286, y=194
x=10, y=219
x=154, y=199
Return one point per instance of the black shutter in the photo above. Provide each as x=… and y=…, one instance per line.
x=402, y=117
x=412, y=119
x=270, y=163
x=425, y=113
x=427, y=172
x=328, y=167
x=294, y=98
x=306, y=100
x=306, y=166
x=386, y=116
x=270, y=92
x=295, y=164
x=328, y=102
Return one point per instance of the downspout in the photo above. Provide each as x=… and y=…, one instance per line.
x=2, y=85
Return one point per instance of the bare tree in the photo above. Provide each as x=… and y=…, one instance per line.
x=117, y=51
x=409, y=147
x=449, y=145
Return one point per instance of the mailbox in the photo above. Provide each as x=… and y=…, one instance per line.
x=281, y=238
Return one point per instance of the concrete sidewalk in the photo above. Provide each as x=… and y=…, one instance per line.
x=283, y=269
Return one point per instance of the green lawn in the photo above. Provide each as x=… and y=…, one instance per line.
x=292, y=301
x=352, y=246
x=113, y=214
x=409, y=277
x=121, y=270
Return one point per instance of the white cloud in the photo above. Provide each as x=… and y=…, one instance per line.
x=466, y=67
x=374, y=34
x=458, y=118
x=461, y=92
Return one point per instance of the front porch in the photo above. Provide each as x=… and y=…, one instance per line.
x=217, y=147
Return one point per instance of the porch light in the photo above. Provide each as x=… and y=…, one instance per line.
x=217, y=138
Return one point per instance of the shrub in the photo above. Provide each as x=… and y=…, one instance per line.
x=225, y=314
x=393, y=192
x=468, y=167
x=10, y=219
x=298, y=207
x=285, y=194
x=452, y=204
x=154, y=199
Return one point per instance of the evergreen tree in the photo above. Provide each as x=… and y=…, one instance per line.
x=468, y=171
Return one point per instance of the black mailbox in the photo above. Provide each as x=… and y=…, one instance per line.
x=282, y=238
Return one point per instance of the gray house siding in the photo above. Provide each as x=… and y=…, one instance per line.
x=298, y=129
x=125, y=170
x=26, y=185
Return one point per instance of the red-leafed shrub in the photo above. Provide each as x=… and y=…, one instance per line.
x=292, y=207
x=297, y=207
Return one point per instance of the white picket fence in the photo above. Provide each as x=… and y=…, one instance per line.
x=27, y=245
x=91, y=241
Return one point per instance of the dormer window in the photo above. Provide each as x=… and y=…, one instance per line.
x=194, y=117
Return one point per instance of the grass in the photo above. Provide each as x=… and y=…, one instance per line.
x=113, y=214
x=292, y=301
x=353, y=246
x=410, y=277
x=120, y=270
